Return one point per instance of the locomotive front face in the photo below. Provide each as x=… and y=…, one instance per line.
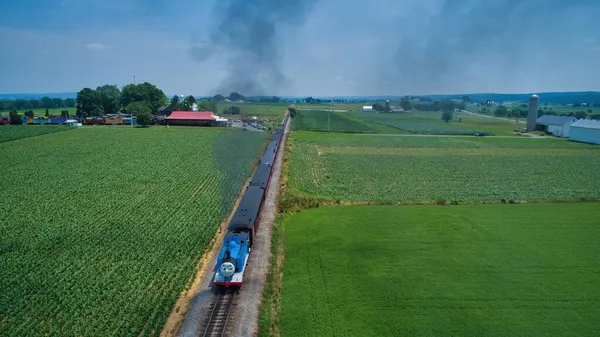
x=232, y=260
x=227, y=269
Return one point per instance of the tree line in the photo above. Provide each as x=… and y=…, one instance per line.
x=43, y=103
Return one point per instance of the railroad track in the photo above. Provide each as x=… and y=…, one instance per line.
x=218, y=314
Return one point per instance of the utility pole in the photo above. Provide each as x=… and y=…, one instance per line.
x=329, y=122
x=133, y=79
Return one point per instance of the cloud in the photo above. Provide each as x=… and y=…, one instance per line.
x=96, y=46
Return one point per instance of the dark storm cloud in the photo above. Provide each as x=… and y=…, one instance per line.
x=246, y=34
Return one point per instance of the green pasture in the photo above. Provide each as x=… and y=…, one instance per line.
x=479, y=270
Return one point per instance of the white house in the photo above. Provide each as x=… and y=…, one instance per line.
x=558, y=126
x=368, y=108
x=586, y=131
x=72, y=122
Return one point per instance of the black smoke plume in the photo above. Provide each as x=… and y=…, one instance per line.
x=247, y=37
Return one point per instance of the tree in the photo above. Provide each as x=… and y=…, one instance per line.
x=88, y=103
x=47, y=113
x=233, y=110
x=69, y=103
x=110, y=96
x=580, y=114
x=15, y=118
x=447, y=115
x=29, y=113
x=219, y=97
x=34, y=103
x=466, y=99
x=501, y=110
x=21, y=104
x=143, y=92
x=57, y=102
x=47, y=103
x=378, y=107
x=142, y=111
x=175, y=106
x=292, y=112
x=234, y=96
x=188, y=102
x=405, y=103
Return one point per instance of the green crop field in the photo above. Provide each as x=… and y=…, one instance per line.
x=103, y=227
x=320, y=120
x=257, y=109
x=12, y=132
x=421, y=169
x=478, y=270
x=421, y=123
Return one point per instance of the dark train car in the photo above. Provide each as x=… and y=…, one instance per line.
x=245, y=216
x=268, y=158
x=272, y=147
x=261, y=176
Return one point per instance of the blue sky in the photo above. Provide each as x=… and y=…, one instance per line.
x=327, y=47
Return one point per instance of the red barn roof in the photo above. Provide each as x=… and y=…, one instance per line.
x=192, y=115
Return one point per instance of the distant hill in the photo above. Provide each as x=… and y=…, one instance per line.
x=62, y=95
x=551, y=97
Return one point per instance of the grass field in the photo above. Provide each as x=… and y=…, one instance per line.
x=320, y=120
x=373, y=168
x=480, y=270
x=12, y=132
x=103, y=227
x=255, y=109
x=422, y=123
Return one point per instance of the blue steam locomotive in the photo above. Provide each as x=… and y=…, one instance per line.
x=237, y=245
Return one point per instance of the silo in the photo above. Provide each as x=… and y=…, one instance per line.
x=533, y=111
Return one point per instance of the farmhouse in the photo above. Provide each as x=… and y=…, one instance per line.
x=558, y=126
x=191, y=118
x=397, y=109
x=586, y=131
x=368, y=108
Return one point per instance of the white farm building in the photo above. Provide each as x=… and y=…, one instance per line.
x=586, y=131
x=368, y=108
x=558, y=126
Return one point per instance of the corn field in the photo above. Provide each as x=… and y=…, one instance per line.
x=102, y=228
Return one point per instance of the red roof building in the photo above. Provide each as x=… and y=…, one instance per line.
x=191, y=118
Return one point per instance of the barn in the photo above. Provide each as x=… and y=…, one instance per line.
x=200, y=118
x=558, y=126
x=586, y=131
x=368, y=108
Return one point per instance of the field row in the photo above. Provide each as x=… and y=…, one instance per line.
x=104, y=227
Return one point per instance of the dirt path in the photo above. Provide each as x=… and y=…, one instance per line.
x=250, y=296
